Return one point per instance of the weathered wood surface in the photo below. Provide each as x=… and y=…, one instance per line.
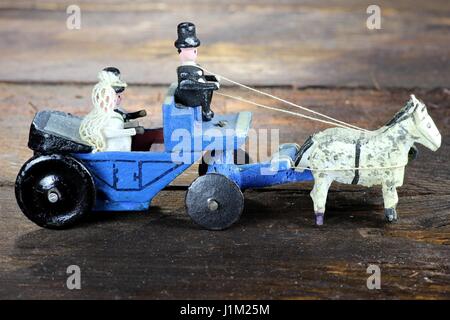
x=273, y=252
x=300, y=43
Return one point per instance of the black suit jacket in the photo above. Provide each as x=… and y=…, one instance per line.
x=193, y=85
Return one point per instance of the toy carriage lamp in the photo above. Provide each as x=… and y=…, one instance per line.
x=103, y=161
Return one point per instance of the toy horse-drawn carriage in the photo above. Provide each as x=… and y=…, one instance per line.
x=64, y=180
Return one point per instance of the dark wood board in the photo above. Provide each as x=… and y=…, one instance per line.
x=274, y=251
x=315, y=53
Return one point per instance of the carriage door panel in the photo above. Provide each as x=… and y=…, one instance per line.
x=127, y=175
x=154, y=172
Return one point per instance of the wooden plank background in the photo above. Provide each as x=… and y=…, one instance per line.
x=315, y=53
x=300, y=43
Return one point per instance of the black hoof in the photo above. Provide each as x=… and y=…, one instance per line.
x=390, y=214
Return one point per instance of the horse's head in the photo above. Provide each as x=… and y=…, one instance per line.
x=421, y=127
x=427, y=132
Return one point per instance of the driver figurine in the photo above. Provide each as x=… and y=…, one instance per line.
x=104, y=127
x=194, y=87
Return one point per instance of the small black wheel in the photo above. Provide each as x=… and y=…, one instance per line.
x=239, y=157
x=54, y=191
x=214, y=202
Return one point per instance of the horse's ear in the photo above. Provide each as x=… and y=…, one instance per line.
x=412, y=104
x=418, y=103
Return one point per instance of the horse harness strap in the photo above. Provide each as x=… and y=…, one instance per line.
x=357, y=157
x=308, y=143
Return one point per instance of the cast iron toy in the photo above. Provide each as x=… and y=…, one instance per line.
x=64, y=180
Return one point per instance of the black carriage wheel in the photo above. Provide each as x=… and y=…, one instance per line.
x=214, y=202
x=54, y=191
x=239, y=156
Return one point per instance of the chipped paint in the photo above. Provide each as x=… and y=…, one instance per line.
x=385, y=150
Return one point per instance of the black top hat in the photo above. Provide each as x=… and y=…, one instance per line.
x=112, y=70
x=186, y=36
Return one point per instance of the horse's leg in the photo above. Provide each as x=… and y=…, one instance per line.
x=390, y=198
x=319, y=196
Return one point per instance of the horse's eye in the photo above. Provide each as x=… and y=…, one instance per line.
x=429, y=125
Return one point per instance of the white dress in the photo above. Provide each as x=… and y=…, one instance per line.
x=117, y=138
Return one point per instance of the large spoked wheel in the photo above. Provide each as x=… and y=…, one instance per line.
x=239, y=157
x=214, y=202
x=54, y=191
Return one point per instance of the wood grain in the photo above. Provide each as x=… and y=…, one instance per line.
x=299, y=43
x=273, y=252
x=315, y=53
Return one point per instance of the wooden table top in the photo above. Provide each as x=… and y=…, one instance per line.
x=315, y=53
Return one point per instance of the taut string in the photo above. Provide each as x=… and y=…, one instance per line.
x=336, y=121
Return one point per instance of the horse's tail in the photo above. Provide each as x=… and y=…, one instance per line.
x=303, y=154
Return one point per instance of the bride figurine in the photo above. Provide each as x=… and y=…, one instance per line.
x=103, y=128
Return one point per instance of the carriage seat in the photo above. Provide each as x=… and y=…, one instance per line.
x=56, y=132
x=223, y=132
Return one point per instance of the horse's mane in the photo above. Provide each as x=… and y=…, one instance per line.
x=403, y=114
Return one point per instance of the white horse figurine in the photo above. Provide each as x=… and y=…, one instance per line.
x=369, y=158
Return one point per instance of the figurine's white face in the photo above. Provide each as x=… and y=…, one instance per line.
x=119, y=99
x=188, y=54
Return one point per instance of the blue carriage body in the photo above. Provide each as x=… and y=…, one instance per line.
x=128, y=181
x=65, y=179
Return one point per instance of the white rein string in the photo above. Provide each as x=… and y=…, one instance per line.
x=334, y=122
x=299, y=168
x=282, y=110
